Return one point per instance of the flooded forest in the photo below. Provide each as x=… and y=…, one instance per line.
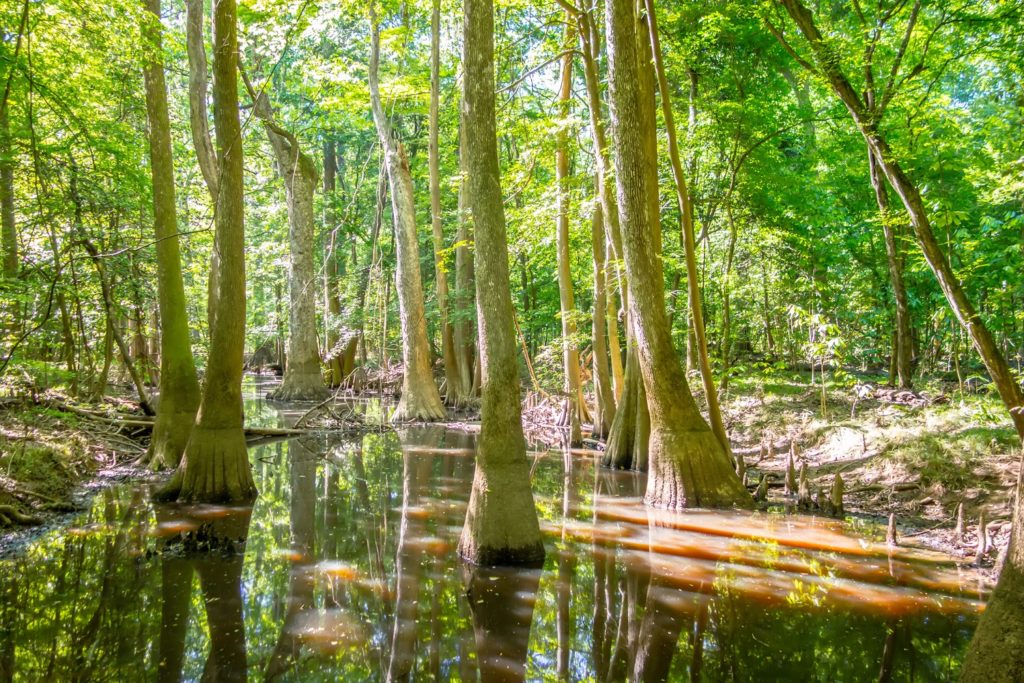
x=531, y=340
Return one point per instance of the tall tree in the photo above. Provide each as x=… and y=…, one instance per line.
x=688, y=466
x=179, y=385
x=575, y=408
x=303, y=380
x=456, y=386
x=501, y=522
x=420, y=398
x=215, y=466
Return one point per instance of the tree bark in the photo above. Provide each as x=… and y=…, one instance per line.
x=199, y=118
x=179, y=384
x=603, y=389
x=456, y=391
x=8, y=228
x=420, y=398
x=688, y=466
x=303, y=380
x=215, y=467
x=575, y=409
x=501, y=522
x=689, y=246
x=335, y=371
x=904, y=345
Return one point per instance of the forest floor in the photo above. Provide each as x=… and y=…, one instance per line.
x=917, y=455
x=52, y=462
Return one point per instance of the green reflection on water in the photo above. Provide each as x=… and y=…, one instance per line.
x=349, y=573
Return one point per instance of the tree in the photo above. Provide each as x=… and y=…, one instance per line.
x=303, y=380
x=575, y=408
x=420, y=398
x=501, y=523
x=457, y=387
x=688, y=466
x=215, y=466
x=179, y=385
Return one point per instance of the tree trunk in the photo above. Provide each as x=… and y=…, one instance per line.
x=575, y=409
x=8, y=229
x=215, y=467
x=903, y=348
x=464, y=281
x=303, y=380
x=605, y=413
x=335, y=371
x=456, y=391
x=107, y=294
x=179, y=384
x=199, y=119
x=420, y=398
x=590, y=49
x=501, y=523
x=685, y=203
x=688, y=466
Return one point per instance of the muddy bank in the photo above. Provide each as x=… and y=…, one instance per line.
x=53, y=461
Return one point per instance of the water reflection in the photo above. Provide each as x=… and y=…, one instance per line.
x=347, y=570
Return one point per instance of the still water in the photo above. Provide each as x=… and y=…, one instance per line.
x=349, y=573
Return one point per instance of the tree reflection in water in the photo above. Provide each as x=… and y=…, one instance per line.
x=349, y=573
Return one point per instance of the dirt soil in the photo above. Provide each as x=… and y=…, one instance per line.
x=51, y=463
x=915, y=455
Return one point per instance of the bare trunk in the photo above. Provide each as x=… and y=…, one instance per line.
x=179, y=384
x=456, y=391
x=903, y=347
x=199, y=118
x=575, y=407
x=303, y=380
x=420, y=398
x=605, y=413
x=335, y=372
x=686, y=211
x=8, y=229
x=501, y=522
x=688, y=466
x=215, y=467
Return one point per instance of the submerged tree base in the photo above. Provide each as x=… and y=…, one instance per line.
x=171, y=432
x=419, y=408
x=214, y=469
x=501, y=526
x=690, y=469
x=301, y=388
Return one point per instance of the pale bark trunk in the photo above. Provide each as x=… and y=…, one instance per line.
x=501, y=523
x=464, y=284
x=179, y=384
x=903, y=348
x=455, y=389
x=215, y=467
x=603, y=389
x=198, y=85
x=688, y=466
x=303, y=380
x=575, y=410
x=420, y=398
x=686, y=211
x=335, y=371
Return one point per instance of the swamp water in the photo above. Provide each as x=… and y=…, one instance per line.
x=349, y=573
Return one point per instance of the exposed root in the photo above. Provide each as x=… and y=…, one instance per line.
x=302, y=388
x=9, y=516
